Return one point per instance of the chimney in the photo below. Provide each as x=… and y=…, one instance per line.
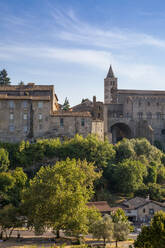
x=94, y=100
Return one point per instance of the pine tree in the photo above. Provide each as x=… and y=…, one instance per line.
x=66, y=105
x=21, y=83
x=4, y=79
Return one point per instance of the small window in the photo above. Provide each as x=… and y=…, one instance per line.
x=40, y=104
x=11, y=116
x=82, y=122
x=144, y=210
x=11, y=128
x=98, y=116
x=148, y=103
x=140, y=103
x=149, y=115
x=151, y=211
x=40, y=116
x=61, y=122
x=25, y=116
x=11, y=104
x=140, y=115
x=25, y=129
x=163, y=131
x=158, y=115
x=25, y=104
x=40, y=126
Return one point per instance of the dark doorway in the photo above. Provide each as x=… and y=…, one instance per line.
x=120, y=131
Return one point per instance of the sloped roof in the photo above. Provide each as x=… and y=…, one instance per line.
x=138, y=202
x=86, y=105
x=102, y=206
x=110, y=73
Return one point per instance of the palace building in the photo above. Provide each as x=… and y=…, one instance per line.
x=29, y=112
x=133, y=113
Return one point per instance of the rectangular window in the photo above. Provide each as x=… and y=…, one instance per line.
x=149, y=115
x=25, y=104
x=61, y=122
x=25, y=129
x=11, y=104
x=151, y=211
x=11, y=128
x=25, y=116
x=82, y=122
x=40, y=105
x=158, y=115
x=40, y=116
x=140, y=115
x=11, y=116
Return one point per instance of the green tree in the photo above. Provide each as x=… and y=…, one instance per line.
x=11, y=186
x=121, y=225
x=6, y=183
x=154, y=235
x=20, y=180
x=58, y=194
x=66, y=105
x=144, y=238
x=103, y=229
x=4, y=79
x=10, y=218
x=21, y=83
x=152, y=174
x=128, y=176
x=124, y=150
x=4, y=160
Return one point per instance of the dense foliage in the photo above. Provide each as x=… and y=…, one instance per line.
x=129, y=168
x=4, y=79
x=57, y=197
x=153, y=236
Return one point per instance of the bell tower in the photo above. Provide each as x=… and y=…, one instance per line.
x=110, y=87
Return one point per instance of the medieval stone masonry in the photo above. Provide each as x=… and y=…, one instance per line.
x=32, y=111
x=28, y=112
x=133, y=113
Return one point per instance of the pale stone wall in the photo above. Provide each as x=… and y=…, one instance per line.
x=98, y=129
x=142, y=111
x=144, y=211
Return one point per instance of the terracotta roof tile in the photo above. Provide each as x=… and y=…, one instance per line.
x=102, y=206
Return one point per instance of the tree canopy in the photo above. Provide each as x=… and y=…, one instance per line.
x=4, y=79
x=66, y=105
x=152, y=236
x=57, y=196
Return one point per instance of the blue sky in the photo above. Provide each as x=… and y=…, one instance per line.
x=71, y=43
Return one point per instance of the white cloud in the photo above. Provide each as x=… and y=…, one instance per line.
x=83, y=33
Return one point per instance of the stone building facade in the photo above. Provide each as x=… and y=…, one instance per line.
x=133, y=113
x=32, y=111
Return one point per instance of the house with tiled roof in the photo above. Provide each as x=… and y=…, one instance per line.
x=102, y=206
x=140, y=209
